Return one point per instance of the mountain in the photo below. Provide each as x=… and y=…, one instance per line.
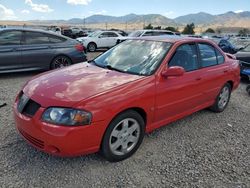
x=199, y=18
x=130, y=18
x=227, y=19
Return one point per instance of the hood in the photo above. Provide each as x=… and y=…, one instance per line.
x=68, y=86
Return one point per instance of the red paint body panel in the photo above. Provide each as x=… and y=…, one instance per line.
x=107, y=93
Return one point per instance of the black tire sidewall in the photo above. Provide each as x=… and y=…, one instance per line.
x=216, y=107
x=52, y=66
x=105, y=149
x=92, y=43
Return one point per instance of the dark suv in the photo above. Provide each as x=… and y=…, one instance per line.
x=27, y=50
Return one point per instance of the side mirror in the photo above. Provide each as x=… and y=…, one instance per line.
x=174, y=71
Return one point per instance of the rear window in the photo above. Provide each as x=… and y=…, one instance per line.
x=220, y=57
x=56, y=39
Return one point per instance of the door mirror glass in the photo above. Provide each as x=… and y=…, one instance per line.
x=174, y=71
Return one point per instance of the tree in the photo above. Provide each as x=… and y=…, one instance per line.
x=157, y=28
x=172, y=29
x=189, y=29
x=243, y=32
x=209, y=30
x=149, y=26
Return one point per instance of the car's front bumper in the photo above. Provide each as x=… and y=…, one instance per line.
x=59, y=140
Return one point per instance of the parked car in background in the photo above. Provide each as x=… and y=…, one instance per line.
x=228, y=47
x=27, y=50
x=109, y=103
x=244, y=56
x=100, y=39
x=146, y=33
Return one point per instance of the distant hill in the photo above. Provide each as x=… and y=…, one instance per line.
x=201, y=20
x=228, y=19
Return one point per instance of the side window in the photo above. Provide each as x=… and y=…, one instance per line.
x=113, y=34
x=185, y=56
x=220, y=57
x=36, y=38
x=208, y=55
x=10, y=38
x=104, y=35
x=148, y=33
x=55, y=39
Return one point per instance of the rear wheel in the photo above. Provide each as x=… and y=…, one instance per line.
x=123, y=136
x=222, y=99
x=92, y=47
x=60, y=62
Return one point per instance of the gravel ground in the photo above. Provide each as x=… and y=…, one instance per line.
x=202, y=150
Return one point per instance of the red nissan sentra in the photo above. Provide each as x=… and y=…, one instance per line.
x=109, y=103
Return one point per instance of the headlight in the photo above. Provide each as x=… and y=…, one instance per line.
x=67, y=117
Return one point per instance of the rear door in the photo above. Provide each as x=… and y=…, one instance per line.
x=37, y=52
x=10, y=55
x=214, y=70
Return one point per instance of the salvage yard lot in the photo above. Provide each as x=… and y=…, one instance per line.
x=203, y=150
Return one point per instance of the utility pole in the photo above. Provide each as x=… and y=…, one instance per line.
x=106, y=24
x=84, y=23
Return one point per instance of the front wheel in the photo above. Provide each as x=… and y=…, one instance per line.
x=222, y=99
x=92, y=47
x=123, y=136
x=60, y=62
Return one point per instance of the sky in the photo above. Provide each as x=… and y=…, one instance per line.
x=67, y=9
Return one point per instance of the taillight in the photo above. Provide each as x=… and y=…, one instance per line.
x=79, y=47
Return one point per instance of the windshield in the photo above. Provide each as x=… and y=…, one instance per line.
x=139, y=57
x=94, y=34
x=135, y=34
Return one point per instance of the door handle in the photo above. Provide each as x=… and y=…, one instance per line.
x=225, y=71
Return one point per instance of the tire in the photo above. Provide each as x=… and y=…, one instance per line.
x=248, y=89
x=123, y=136
x=92, y=47
x=222, y=99
x=60, y=62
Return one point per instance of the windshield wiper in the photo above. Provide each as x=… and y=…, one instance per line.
x=115, y=69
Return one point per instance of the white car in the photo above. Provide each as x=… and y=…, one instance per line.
x=145, y=33
x=100, y=39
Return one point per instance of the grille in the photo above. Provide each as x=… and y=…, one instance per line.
x=27, y=106
x=31, y=108
x=32, y=140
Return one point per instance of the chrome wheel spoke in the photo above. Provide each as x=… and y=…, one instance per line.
x=124, y=136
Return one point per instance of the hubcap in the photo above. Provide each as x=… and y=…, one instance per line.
x=124, y=136
x=223, y=98
x=61, y=62
x=91, y=47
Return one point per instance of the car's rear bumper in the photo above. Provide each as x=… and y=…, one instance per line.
x=59, y=140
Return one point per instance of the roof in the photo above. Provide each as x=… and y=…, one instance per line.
x=35, y=30
x=173, y=39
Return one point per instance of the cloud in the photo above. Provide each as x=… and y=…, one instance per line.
x=6, y=14
x=98, y=12
x=78, y=2
x=25, y=11
x=238, y=11
x=38, y=7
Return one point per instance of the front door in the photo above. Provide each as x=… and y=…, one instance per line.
x=10, y=55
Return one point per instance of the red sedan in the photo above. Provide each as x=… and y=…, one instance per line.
x=109, y=103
